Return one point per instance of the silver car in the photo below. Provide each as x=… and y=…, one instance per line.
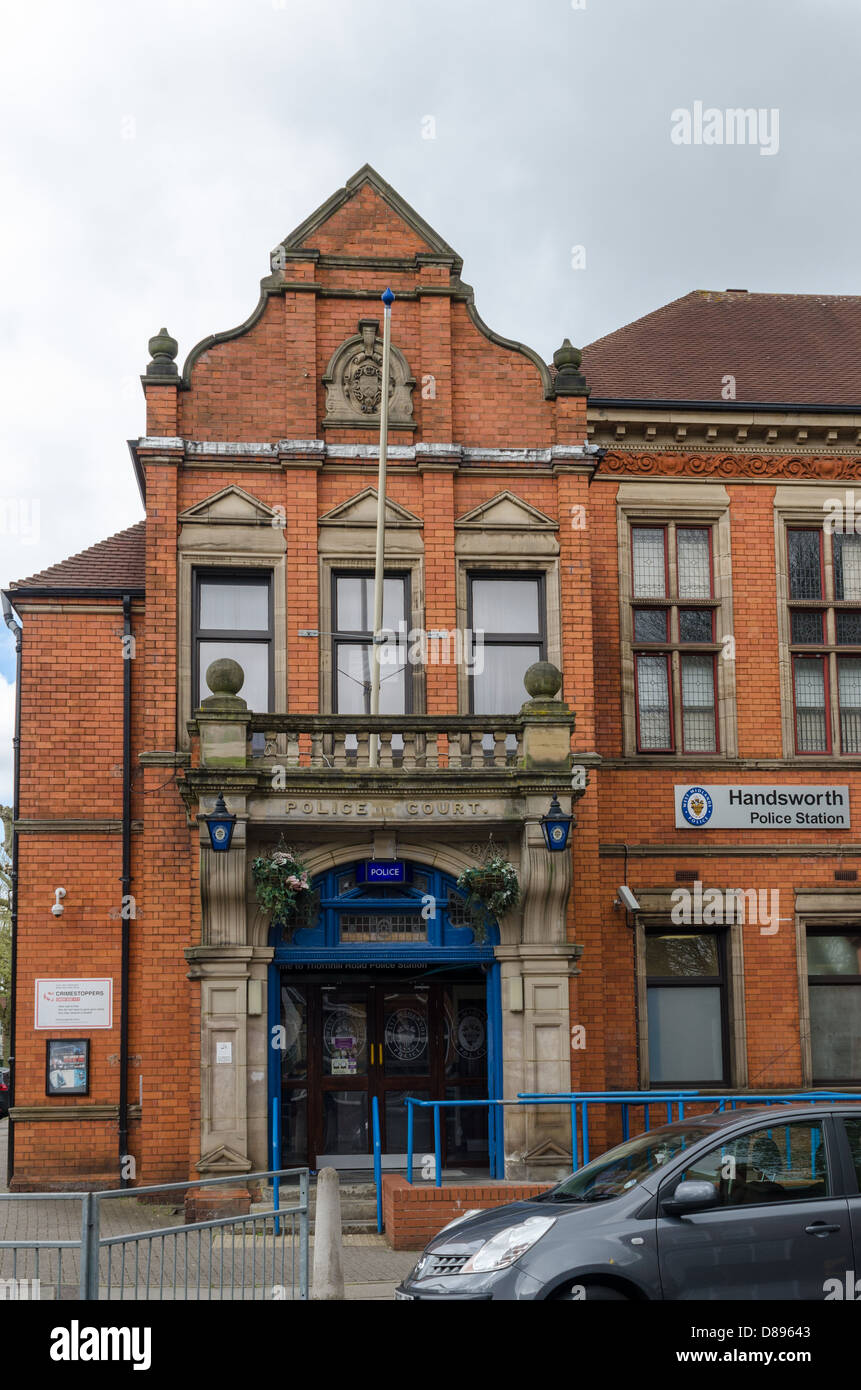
x=762, y=1202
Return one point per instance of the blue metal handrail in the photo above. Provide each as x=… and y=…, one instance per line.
x=579, y=1103
x=378, y=1159
x=276, y=1160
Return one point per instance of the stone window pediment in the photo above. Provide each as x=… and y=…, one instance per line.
x=506, y=528
x=230, y=507
x=506, y=512
x=361, y=510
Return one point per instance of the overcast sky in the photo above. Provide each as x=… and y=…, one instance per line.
x=153, y=153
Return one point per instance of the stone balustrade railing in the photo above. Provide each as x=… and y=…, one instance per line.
x=406, y=742
x=232, y=736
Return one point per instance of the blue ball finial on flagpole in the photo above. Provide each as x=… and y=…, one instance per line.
x=388, y=298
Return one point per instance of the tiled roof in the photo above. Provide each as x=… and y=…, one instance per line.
x=117, y=563
x=780, y=348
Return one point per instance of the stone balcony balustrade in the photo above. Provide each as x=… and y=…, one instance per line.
x=336, y=746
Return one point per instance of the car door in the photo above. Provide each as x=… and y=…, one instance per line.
x=851, y=1126
x=781, y=1225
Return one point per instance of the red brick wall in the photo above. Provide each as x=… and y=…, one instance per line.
x=635, y=806
x=71, y=768
x=413, y=1215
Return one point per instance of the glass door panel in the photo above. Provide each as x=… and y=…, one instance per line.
x=294, y=1021
x=294, y=1074
x=406, y=1037
x=465, y=1031
x=294, y=1128
x=465, y=1127
x=345, y=1031
x=345, y=1122
x=396, y=1123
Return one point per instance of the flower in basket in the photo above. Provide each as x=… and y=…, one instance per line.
x=492, y=889
x=282, y=883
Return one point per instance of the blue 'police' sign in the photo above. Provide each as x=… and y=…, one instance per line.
x=382, y=871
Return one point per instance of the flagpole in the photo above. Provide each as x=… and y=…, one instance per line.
x=379, y=568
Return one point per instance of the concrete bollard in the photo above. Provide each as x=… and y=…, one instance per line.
x=328, y=1281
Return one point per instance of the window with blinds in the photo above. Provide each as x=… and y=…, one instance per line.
x=674, y=624
x=824, y=572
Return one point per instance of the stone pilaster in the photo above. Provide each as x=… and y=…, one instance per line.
x=222, y=963
x=223, y=973
x=536, y=1024
x=536, y=1056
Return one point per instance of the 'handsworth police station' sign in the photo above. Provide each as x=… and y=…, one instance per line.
x=762, y=808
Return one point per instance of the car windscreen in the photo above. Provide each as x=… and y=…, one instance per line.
x=622, y=1168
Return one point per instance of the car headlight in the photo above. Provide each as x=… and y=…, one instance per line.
x=507, y=1246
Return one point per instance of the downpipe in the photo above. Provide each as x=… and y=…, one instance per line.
x=125, y=886
x=17, y=631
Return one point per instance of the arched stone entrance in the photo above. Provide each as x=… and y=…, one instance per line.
x=389, y=994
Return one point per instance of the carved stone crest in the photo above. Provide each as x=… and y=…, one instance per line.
x=354, y=382
x=363, y=375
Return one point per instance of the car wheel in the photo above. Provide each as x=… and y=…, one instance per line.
x=591, y=1293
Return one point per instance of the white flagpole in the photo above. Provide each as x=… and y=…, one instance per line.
x=379, y=569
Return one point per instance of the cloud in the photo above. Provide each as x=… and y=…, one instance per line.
x=155, y=151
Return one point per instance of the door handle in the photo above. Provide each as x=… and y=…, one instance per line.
x=821, y=1228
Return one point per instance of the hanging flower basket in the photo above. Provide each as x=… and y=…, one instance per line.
x=283, y=886
x=491, y=890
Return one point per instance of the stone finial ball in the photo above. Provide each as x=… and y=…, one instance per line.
x=543, y=680
x=225, y=676
x=162, y=344
x=567, y=356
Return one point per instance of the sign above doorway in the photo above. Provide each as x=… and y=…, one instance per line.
x=381, y=871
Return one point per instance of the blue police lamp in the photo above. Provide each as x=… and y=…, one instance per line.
x=220, y=824
x=556, y=826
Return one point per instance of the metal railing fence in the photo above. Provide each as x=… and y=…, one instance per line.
x=578, y=1104
x=257, y=1255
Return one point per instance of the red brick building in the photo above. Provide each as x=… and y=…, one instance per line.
x=656, y=523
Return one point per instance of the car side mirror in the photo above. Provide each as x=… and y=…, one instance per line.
x=691, y=1196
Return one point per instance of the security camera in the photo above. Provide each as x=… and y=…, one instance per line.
x=57, y=909
x=627, y=899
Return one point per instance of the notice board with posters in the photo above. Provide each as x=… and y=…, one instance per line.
x=74, y=1004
